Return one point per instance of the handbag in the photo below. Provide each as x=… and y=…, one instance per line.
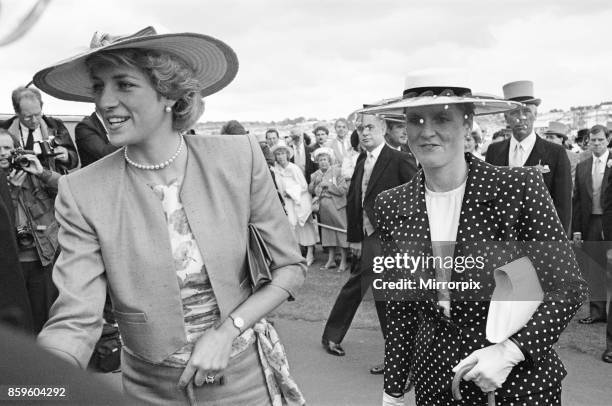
x=259, y=259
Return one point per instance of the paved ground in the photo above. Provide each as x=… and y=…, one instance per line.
x=338, y=381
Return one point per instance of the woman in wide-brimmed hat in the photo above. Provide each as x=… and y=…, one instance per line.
x=298, y=202
x=162, y=223
x=482, y=218
x=329, y=187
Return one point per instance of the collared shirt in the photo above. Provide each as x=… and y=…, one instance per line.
x=597, y=173
x=526, y=145
x=299, y=154
x=368, y=167
x=398, y=148
x=37, y=136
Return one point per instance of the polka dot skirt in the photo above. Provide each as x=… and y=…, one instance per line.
x=506, y=213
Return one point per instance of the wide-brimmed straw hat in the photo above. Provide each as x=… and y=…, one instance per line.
x=214, y=63
x=282, y=145
x=323, y=151
x=520, y=91
x=439, y=87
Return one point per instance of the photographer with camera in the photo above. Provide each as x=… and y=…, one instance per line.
x=46, y=136
x=32, y=189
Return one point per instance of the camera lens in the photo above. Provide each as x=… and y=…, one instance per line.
x=22, y=161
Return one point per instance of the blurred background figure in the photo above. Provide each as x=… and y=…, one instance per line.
x=293, y=188
x=32, y=130
x=272, y=137
x=341, y=144
x=557, y=133
x=302, y=153
x=321, y=133
x=32, y=190
x=472, y=144
x=329, y=188
x=233, y=127
x=591, y=183
x=92, y=140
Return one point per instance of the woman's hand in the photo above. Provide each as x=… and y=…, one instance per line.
x=210, y=355
x=493, y=364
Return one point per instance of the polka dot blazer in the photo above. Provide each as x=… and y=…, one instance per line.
x=507, y=213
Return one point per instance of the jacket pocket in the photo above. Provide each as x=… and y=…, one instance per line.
x=135, y=318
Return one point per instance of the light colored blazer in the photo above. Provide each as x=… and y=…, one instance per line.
x=114, y=231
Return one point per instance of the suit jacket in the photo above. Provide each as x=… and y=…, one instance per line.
x=91, y=140
x=558, y=179
x=58, y=130
x=123, y=241
x=334, y=144
x=392, y=169
x=500, y=205
x=14, y=303
x=310, y=166
x=582, y=201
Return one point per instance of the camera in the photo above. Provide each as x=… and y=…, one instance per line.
x=17, y=159
x=25, y=238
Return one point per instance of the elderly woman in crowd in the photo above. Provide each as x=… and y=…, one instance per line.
x=329, y=187
x=298, y=202
x=459, y=207
x=472, y=144
x=191, y=327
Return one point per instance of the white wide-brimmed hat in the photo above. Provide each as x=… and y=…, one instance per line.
x=520, y=91
x=282, y=145
x=323, y=151
x=214, y=63
x=440, y=87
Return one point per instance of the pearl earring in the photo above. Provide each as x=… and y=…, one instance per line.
x=168, y=109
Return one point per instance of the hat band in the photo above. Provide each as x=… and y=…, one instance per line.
x=437, y=91
x=522, y=98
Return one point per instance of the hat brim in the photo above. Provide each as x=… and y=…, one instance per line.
x=285, y=147
x=214, y=63
x=482, y=106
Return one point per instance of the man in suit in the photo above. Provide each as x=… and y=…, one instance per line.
x=30, y=127
x=526, y=148
x=557, y=134
x=341, y=143
x=590, y=187
x=302, y=154
x=14, y=304
x=91, y=139
x=379, y=168
x=321, y=133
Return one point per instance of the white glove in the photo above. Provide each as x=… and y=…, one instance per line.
x=493, y=364
x=388, y=400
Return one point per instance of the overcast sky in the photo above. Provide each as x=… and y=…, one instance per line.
x=324, y=58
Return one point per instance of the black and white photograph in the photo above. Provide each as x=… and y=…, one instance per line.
x=268, y=202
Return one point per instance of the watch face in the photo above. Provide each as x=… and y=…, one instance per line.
x=238, y=322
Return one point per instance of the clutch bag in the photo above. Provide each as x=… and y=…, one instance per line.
x=259, y=259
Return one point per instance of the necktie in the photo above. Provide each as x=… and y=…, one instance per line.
x=30, y=141
x=519, y=154
x=368, y=165
x=597, y=177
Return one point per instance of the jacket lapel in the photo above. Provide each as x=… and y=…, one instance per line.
x=587, y=175
x=538, y=154
x=379, y=167
x=504, y=154
x=604, y=182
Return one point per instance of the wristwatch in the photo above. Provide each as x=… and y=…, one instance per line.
x=238, y=322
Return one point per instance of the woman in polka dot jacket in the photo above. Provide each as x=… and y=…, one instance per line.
x=495, y=215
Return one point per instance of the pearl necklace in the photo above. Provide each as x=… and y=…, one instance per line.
x=158, y=166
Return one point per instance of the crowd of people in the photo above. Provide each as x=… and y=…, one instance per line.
x=412, y=169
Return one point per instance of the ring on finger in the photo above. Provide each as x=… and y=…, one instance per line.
x=209, y=379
